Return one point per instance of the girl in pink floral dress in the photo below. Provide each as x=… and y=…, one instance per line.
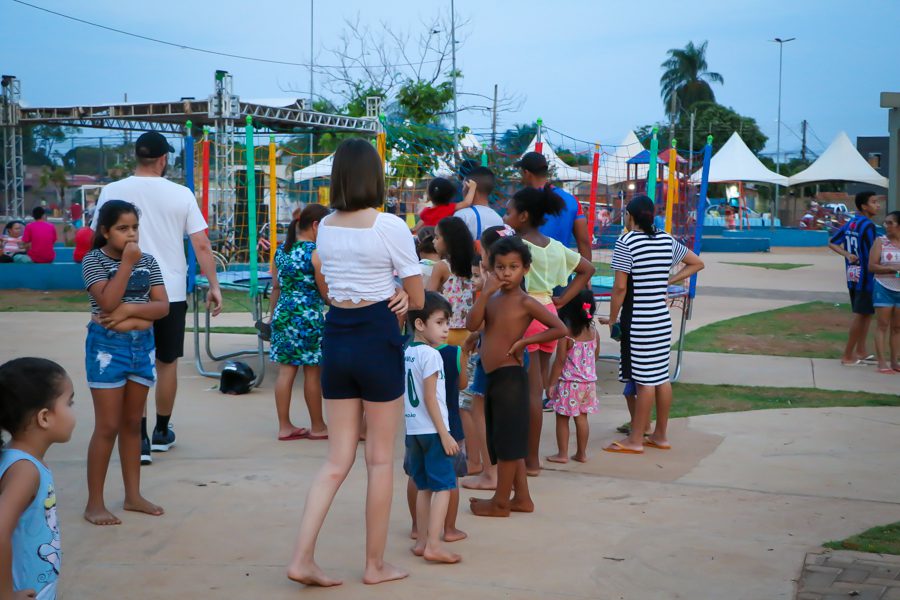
x=452, y=276
x=573, y=391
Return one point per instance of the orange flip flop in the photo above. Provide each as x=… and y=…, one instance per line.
x=652, y=444
x=620, y=449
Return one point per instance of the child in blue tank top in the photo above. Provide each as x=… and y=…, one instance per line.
x=36, y=410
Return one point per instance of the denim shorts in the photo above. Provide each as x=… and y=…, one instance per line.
x=112, y=358
x=460, y=463
x=428, y=464
x=362, y=354
x=476, y=382
x=884, y=298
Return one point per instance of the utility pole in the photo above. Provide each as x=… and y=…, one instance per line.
x=494, y=121
x=672, y=116
x=311, y=62
x=453, y=55
x=691, y=146
x=781, y=44
x=803, y=147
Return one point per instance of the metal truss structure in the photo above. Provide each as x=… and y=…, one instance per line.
x=223, y=112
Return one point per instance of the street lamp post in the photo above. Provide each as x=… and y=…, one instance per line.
x=781, y=44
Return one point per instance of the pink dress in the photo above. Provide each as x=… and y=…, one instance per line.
x=460, y=293
x=576, y=393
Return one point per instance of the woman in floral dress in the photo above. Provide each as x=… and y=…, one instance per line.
x=298, y=322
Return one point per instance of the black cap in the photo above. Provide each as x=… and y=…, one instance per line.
x=533, y=162
x=152, y=145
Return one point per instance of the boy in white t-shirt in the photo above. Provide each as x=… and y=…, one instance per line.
x=429, y=444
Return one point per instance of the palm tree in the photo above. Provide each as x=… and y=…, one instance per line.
x=686, y=77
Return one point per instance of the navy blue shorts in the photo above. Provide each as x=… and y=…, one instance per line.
x=428, y=464
x=112, y=358
x=362, y=354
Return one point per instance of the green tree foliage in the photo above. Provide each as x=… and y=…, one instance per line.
x=572, y=159
x=687, y=77
x=516, y=139
x=710, y=118
x=56, y=178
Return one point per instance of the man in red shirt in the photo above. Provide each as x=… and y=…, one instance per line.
x=75, y=214
x=39, y=237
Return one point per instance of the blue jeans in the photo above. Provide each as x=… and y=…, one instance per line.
x=112, y=358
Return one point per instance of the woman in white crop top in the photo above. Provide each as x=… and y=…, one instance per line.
x=362, y=251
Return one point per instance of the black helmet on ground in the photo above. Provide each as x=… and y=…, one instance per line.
x=236, y=378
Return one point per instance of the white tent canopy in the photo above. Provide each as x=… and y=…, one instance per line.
x=318, y=169
x=840, y=162
x=559, y=169
x=736, y=162
x=614, y=167
x=469, y=143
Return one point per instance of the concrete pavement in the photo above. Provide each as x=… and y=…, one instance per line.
x=728, y=513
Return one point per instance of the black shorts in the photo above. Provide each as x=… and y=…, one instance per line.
x=169, y=333
x=506, y=407
x=861, y=302
x=362, y=354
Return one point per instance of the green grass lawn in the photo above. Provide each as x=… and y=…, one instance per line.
x=603, y=269
x=74, y=301
x=697, y=399
x=810, y=330
x=228, y=329
x=776, y=266
x=879, y=540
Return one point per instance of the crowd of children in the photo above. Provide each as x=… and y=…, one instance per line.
x=477, y=365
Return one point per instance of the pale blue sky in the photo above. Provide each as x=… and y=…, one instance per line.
x=589, y=68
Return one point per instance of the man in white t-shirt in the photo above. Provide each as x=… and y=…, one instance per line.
x=480, y=215
x=168, y=212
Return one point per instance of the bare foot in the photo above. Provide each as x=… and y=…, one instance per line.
x=454, y=535
x=441, y=555
x=479, y=482
x=525, y=505
x=418, y=549
x=413, y=534
x=141, y=504
x=387, y=572
x=101, y=516
x=311, y=574
x=485, y=507
x=582, y=458
x=558, y=458
x=661, y=444
x=533, y=472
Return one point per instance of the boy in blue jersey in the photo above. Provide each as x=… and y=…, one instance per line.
x=853, y=241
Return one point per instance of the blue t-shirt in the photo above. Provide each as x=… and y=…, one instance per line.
x=36, y=551
x=559, y=227
x=452, y=368
x=857, y=237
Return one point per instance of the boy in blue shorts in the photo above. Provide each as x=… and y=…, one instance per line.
x=429, y=445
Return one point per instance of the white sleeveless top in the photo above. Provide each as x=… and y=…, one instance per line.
x=360, y=264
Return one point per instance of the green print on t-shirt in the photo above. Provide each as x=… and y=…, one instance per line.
x=411, y=389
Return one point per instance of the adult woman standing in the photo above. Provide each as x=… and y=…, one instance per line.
x=642, y=260
x=884, y=262
x=362, y=353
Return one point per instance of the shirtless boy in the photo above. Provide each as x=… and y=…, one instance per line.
x=506, y=311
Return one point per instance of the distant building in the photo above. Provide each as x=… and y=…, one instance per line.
x=876, y=151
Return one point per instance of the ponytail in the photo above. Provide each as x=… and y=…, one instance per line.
x=641, y=210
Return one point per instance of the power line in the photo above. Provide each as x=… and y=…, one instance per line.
x=204, y=50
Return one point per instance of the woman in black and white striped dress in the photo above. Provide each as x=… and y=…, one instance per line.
x=642, y=261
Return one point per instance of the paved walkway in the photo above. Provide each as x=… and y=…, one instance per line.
x=829, y=575
x=774, y=294
x=728, y=513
